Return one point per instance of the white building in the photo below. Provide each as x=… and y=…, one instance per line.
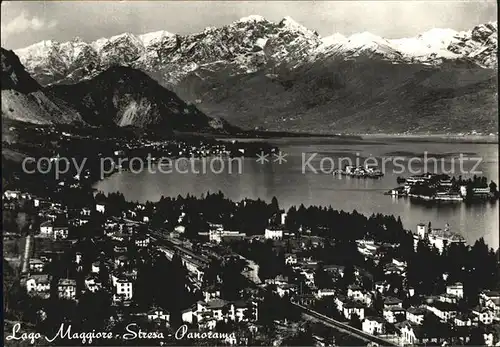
x=484, y=314
x=373, y=325
x=415, y=315
x=36, y=265
x=207, y=314
x=273, y=234
x=60, y=233
x=92, y=283
x=444, y=311
x=291, y=259
x=101, y=208
x=123, y=289
x=142, y=241
x=12, y=194
x=85, y=211
x=47, y=228
x=66, y=288
x=38, y=285
x=394, y=314
x=158, y=314
x=439, y=238
x=325, y=292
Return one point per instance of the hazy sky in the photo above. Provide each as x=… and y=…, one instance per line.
x=27, y=22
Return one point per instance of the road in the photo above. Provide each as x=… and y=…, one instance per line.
x=344, y=327
x=27, y=249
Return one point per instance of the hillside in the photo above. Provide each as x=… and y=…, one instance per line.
x=361, y=96
x=23, y=99
x=128, y=97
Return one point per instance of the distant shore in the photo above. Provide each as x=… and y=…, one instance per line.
x=434, y=138
x=399, y=137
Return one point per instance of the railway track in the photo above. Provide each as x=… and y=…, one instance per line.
x=344, y=327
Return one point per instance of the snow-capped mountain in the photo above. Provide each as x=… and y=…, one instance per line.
x=283, y=76
x=245, y=46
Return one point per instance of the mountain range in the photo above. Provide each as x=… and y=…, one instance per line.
x=119, y=96
x=283, y=76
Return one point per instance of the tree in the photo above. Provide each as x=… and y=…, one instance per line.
x=476, y=337
x=355, y=321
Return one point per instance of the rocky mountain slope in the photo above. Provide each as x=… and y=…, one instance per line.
x=120, y=96
x=23, y=99
x=281, y=76
x=128, y=97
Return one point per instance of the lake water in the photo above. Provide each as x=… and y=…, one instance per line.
x=292, y=186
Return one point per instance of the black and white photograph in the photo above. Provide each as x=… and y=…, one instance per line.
x=250, y=173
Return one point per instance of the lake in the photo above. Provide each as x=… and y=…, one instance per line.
x=294, y=182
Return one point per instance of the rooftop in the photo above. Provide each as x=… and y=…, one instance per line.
x=67, y=282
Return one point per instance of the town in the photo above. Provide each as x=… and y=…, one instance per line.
x=307, y=276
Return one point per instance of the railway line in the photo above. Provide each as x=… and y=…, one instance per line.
x=344, y=327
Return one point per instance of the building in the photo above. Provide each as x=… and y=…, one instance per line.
x=449, y=298
x=92, y=283
x=484, y=314
x=382, y=287
x=412, y=334
x=290, y=259
x=210, y=293
x=354, y=292
x=12, y=194
x=353, y=308
x=217, y=235
x=464, y=319
x=273, y=234
x=439, y=238
x=123, y=288
x=392, y=302
x=443, y=310
x=142, y=241
x=38, y=285
x=60, y=233
x=394, y=314
x=415, y=315
x=36, y=265
x=46, y=228
x=321, y=293
x=456, y=289
x=85, y=211
x=100, y=207
x=207, y=314
x=481, y=191
x=373, y=325
x=286, y=289
x=491, y=300
x=340, y=301
x=158, y=314
x=66, y=288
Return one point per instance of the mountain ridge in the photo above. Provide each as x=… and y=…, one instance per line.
x=280, y=75
x=431, y=47
x=119, y=96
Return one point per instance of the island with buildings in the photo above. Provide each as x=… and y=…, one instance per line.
x=442, y=188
